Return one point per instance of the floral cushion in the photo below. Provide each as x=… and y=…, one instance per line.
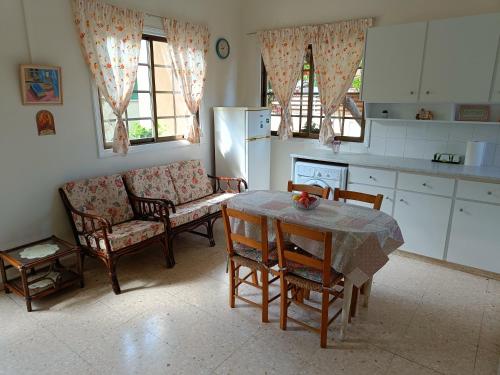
x=256, y=255
x=153, y=182
x=126, y=234
x=190, y=180
x=188, y=212
x=104, y=196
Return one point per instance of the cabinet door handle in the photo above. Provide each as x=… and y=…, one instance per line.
x=427, y=92
x=388, y=198
x=490, y=193
x=424, y=184
x=461, y=210
x=411, y=92
x=373, y=178
x=402, y=200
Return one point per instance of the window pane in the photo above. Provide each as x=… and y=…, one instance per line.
x=181, y=108
x=354, y=106
x=161, y=54
x=143, y=80
x=337, y=125
x=352, y=128
x=109, y=131
x=163, y=79
x=296, y=124
x=356, y=82
x=139, y=129
x=166, y=127
x=316, y=122
x=143, y=54
x=275, y=123
x=183, y=124
x=165, y=105
x=139, y=106
x=316, y=106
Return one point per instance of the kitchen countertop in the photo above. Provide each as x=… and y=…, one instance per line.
x=485, y=174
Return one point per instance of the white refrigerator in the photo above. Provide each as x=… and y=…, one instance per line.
x=243, y=144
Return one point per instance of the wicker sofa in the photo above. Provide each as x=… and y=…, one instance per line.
x=112, y=216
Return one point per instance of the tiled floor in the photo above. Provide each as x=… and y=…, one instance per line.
x=423, y=319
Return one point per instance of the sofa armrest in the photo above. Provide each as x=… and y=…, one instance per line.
x=92, y=223
x=229, y=184
x=152, y=208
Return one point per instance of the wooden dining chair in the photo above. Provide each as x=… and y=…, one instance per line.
x=376, y=202
x=311, y=189
x=300, y=271
x=247, y=252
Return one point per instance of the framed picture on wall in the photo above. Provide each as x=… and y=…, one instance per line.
x=41, y=84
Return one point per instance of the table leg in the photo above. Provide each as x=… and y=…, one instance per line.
x=367, y=288
x=27, y=296
x=346, y=308
x=4, y=276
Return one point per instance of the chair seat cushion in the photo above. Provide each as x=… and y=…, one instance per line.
x=126, y=234
x=188, y=212
x=214, y=201
x=256, y=255
x=306, y=272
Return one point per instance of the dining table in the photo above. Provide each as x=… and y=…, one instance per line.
x=362, y=238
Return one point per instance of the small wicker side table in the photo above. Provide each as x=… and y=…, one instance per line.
x=41, y=272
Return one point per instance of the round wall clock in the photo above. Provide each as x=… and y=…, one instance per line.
x=222, y=48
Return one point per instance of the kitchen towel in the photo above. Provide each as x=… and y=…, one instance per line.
x=475, y=153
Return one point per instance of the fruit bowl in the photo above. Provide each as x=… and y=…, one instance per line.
x=305, y=202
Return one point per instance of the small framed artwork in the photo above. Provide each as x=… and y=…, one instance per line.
x=470, y=112
x=41, y=84
x=45, y=123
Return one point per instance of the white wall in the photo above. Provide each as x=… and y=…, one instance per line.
x=33, y=167
x=266, y=14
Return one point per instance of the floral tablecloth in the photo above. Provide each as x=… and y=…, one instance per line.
x=362, y=237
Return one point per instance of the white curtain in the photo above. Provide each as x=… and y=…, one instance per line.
x=110, y=38
x=337, y=52
x=283, y=53
x=188, y=46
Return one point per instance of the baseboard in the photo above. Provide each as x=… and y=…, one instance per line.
x=453, y=266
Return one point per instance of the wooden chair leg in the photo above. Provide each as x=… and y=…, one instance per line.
x=265, y=295
x=354, y=303
x=210, y=233
x=255, y=278
x=324, y=318
x=283, y=302
x=232, y=277
x=112, y=276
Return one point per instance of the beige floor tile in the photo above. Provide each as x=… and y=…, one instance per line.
x=42, y=353
x=490, y=330
x=401, y=366
x=487, y=362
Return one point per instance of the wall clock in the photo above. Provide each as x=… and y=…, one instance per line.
x=222, y=48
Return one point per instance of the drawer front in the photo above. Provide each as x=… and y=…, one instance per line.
x=426, y=184
x=387, y=203
x=370, y=176
x=479, y=191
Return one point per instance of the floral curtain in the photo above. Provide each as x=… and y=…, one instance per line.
x=283, y=53
x=337, y=51
x=188, y=46
x=110, y=38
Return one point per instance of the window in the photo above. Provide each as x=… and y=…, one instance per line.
x=348, y=120
x=157, y=111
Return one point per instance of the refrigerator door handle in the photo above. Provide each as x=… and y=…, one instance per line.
x=257, y=138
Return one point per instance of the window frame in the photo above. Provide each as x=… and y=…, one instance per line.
x=310, y=98
x=152, y=91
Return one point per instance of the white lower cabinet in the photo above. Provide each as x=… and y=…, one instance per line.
x=423, y=220
x=475, y=235
x=387, y=203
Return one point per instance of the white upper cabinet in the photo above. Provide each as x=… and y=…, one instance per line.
x=495, y=90
x=459, y=59
x=392, y=63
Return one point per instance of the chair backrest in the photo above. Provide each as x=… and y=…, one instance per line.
x=285, y=255
x=190, y=180
x=375, y=200
x=104, y=196
x=153, y=182
x=232, y=237
x=311, y=189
